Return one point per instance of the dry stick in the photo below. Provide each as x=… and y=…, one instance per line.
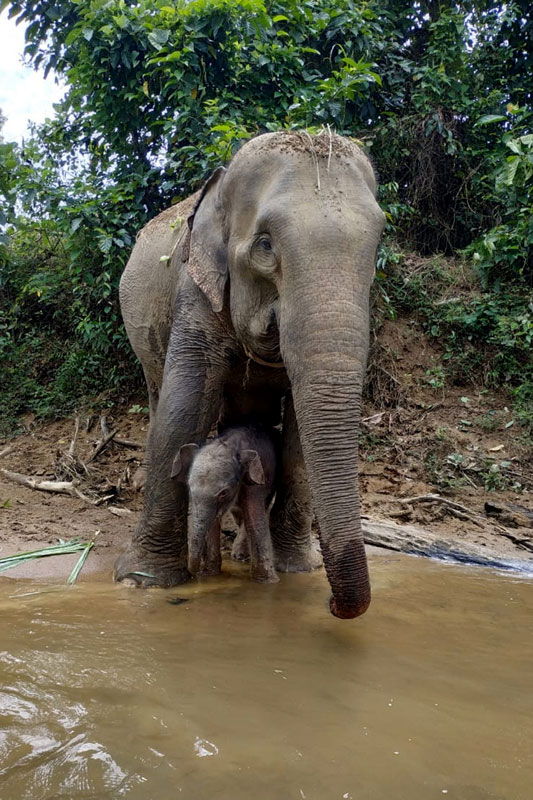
x=72, y=447
x=55, y=487
x=101, y=445
x=103, y=425
x=122, y=442
x=128, y=443
x=523, y=544
x=462, y=515
x=6, y=451
x=436, y=498
x=119, y=512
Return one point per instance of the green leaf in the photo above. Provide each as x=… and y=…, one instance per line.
x=80, y=562
x=158, y=37
x=509, y=171
x=514, y=145
x=488, y=119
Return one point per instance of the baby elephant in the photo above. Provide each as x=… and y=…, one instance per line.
x=234, y=471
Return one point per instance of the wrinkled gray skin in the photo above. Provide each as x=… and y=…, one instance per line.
x=273, y=268
x=234, y=471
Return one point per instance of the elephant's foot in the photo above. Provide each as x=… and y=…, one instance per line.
x=295, y=547
x=264, y=575
x=298, y=560
x=134, y=568
x=210, y=568
x=139, y=479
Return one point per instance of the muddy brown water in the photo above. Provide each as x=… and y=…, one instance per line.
x=250, y=691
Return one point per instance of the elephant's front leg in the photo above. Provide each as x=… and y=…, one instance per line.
x=292, y=515
x=188, y=407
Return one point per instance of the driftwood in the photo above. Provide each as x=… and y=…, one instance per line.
x=421, y=542
x=54, y=487
x=465, y=513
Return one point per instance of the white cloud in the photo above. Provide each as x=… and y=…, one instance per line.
x=24, y=93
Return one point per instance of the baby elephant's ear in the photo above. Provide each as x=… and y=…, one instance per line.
x=253, y=469
x=182, y=462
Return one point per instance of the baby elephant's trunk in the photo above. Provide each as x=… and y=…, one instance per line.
x=201, y=526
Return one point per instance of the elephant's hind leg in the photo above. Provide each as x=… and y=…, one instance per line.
x=294, y=547
x=153, y=386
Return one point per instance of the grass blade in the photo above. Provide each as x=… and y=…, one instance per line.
x=81, y=560
x=61, y=549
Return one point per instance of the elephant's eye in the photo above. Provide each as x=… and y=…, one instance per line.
x=224, y=495
x=262, y=255
x=264, y=243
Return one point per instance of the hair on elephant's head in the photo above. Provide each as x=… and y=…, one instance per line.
x=289, y=233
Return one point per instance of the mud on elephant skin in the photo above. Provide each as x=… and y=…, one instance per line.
x=234, y=471
x=263, y=295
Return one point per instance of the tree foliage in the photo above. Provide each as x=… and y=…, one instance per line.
x=160, y=92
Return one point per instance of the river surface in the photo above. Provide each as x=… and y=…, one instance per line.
x=257, y=692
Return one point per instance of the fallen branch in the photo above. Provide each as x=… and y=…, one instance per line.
x=436, y=498
x=54, y=487
x=464, y=516
x=119, y=512
x=128, y=443
x=474, y=516
x=6, y=451
x=101, y=445
x=72, y=447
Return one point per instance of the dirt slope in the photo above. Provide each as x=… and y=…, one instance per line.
x=455, y=442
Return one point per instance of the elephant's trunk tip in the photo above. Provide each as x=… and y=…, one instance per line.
x=348, y=612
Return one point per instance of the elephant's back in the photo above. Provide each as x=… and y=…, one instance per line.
x=149, y=283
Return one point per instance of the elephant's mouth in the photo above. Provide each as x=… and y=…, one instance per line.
x=264, y=348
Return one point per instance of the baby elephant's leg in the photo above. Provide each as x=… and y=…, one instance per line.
x=212, y=558
x=240, y=550
x=257, y=528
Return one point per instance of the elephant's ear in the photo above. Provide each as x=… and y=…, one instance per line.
x=182, y=462
x=253, y=469
x=208, y=257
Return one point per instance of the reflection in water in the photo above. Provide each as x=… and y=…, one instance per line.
x=257, y=691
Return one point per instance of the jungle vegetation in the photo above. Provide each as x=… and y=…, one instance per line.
x=159, y=92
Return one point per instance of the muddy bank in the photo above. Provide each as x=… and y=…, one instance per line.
x=395, y=487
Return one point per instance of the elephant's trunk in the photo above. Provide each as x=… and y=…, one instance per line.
x=201, y=524
x=324, y=345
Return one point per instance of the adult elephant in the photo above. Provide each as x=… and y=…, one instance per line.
x=263, y=294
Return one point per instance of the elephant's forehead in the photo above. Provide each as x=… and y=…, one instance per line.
x=211, y=469
x=268, y=169
x=322, y=145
